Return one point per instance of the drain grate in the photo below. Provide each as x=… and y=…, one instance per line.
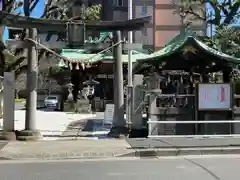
x=147, y=154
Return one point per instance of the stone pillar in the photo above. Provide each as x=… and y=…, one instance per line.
x=138, y=97
x=152, y=84
x=1, y=95
x=119, y=121
x=119, y=101
x=31, y=132
x=9, y=106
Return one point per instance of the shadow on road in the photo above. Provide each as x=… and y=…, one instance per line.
x=89, y=126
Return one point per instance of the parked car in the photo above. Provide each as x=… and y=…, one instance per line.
x=52, y=102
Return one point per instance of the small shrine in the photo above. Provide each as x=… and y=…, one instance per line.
x=173, y=76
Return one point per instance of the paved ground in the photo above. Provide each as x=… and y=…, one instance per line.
x=65, y=149
x=91, y=148
x=184, y=168
x=184, y=142
x=49, y=123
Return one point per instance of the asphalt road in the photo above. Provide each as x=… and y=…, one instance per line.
x=174, y=168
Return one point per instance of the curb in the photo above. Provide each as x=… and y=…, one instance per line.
x=138, y=153
x=182, y=152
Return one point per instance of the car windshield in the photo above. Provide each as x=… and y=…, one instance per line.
x=51, y=98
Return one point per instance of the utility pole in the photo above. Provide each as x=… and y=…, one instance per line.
x=130, y=104
x=30, y=132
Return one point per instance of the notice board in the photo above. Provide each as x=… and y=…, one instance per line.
x=214, y=96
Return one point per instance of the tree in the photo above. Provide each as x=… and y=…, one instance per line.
x=10, y=60
x=60, y=10
x=220, y=14
x=53, y=10
x=227, y=40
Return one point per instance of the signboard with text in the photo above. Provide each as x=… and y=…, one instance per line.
x=214, y=96
x=109, y=113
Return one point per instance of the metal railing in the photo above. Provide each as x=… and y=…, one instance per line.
x=172, y=101
x=191, y=122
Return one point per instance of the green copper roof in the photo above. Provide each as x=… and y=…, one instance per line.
x=102, y=37
x=179, y=43
x=80, y=55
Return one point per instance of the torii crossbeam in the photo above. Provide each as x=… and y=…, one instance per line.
x=47, y=25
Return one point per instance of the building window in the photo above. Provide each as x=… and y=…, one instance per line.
x=144, y=11
x=118, y=2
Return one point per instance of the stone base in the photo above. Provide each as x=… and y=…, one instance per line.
x=138, y=133
x=118, y=132
x=27, y=135
x=8, y=136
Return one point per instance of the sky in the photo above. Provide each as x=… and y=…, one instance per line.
x=37, y=12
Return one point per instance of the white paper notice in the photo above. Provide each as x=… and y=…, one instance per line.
x=109, y=112
x=214, y=96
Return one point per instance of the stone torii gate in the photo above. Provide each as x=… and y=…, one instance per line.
x=55, y=26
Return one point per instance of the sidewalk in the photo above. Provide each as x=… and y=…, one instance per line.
x=65, y=149
x=107, y=148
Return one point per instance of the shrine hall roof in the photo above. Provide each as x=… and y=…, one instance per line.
x=79, y=55
x=184, y=43
x=103, y=36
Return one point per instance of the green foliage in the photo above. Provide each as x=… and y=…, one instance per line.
x=19, y=100
x=226, y=40
x=93, y=12
x=62, y=10
x=222, y=14
x=54, y=9
x=61, y=75
x=56, y=70
x=7, y=59
x=222, y=11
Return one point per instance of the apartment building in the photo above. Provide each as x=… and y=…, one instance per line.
x=165, y=23
x=164, y=26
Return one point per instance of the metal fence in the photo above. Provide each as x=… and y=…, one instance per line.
x=180, y=110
